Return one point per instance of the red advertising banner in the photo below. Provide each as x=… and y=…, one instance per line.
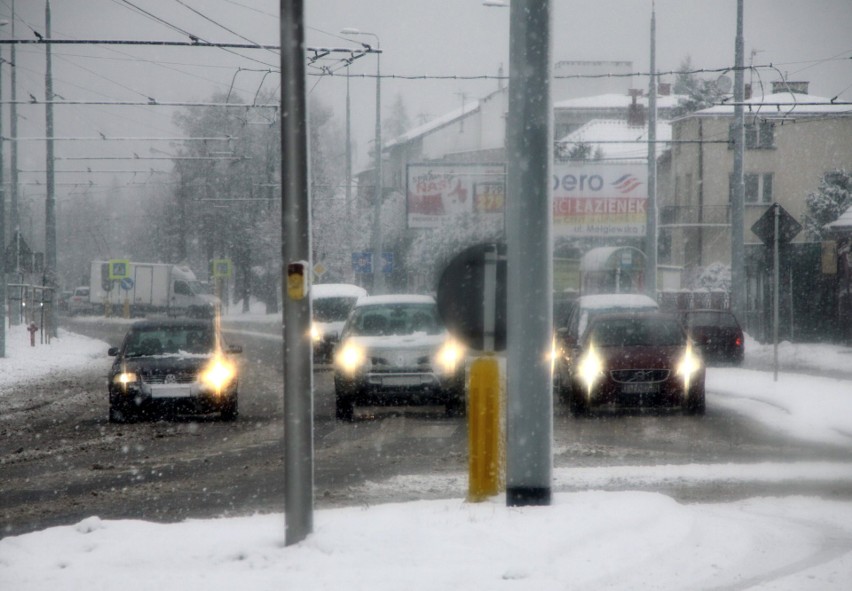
x=599, y=199
x=438, y=191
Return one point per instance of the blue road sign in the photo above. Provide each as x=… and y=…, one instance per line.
x=126, y=284
x=362, y=262
x=387, y=262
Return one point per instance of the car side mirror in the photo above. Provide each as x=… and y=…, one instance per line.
x=113, y=351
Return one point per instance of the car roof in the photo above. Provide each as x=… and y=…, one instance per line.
x=153, y=323
x=399, y=298
x=616, y=300
x=336, y=290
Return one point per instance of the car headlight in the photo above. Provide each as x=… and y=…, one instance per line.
x=124, y=378
x=590, y=367
x=688, y=365
x=218, y=373
x=316, y=333
x=351, y=357
x=449, y=356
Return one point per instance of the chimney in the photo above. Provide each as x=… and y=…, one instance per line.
x=799, y=87
x=635, y=112
x=664, y=89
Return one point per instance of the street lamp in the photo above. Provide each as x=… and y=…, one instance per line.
x=378, y=276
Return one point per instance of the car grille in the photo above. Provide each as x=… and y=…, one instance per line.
x=639, y=375
x=169, y=377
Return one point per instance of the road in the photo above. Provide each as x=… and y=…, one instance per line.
x=61, y=461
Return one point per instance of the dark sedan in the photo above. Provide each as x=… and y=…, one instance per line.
x=635, y=360
x=717, y=334
x=182, y=366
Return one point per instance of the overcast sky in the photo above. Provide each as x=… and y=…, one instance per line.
x=805, y=40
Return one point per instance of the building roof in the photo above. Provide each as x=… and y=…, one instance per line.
x=843, y=224
x=615, y=101
x=432, y=125
x=608, y=135
x=781, y=104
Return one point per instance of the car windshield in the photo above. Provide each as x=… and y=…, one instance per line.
x=332, y=309
x=169, y=341
x=711, y=318
x=395, y=319
x=636, y=332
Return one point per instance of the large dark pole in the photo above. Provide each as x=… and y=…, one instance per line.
x=2, y=228
x=529, y=421
x=651, y=226
x=349, y=232
x=738, y=278
x=378, y=258
x=296, y=243
x=50, y=271
x=13, y=132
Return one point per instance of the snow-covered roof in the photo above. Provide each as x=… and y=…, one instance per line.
x=618, y=130
x=399, y=298
x=782, y=104
x=841, y=224
x=615, y=300
x=432, y=125
x=336, y=290
x=616, y=101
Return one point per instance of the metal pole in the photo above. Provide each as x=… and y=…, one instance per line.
x=51, y=275
x=2, y=230
x=651, y=230
x=296, y=225
x=349, y=232
x=378, y=275
x=530, y=257
x=777, y=287
x=738, y=279
x=15, y=221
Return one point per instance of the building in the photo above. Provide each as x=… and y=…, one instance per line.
x=792, y=139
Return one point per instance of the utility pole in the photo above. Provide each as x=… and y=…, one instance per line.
x=13, y=131
x=296, y=255
x=2, y=228
x=651, y=226
x=50, y=271
x=349, y=171
x=529, y=143
x=738, y=194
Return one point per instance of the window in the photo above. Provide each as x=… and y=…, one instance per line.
x=759, y=135
x=758, y=188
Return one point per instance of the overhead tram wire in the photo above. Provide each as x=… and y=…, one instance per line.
x=218, y=24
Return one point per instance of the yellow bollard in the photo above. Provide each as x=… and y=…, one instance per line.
x=485, y=440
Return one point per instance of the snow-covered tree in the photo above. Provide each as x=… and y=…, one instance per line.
x=715, y=276
x=433, y=249
x=828, y=202
x=699, y=92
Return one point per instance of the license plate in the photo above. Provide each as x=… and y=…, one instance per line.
x=169, y=391
x=640, y=388
x=401, y=381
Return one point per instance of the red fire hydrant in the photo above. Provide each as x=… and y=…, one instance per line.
x=33, y=330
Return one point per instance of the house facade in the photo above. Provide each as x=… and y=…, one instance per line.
x=792, y=139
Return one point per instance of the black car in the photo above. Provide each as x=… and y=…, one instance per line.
x=717, y=334
x=182, y=366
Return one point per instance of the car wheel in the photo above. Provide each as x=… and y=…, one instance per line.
x=695, y=404
x=230, y=410
x=577, y=405
x=455, y=406
x=119, y=414
x=344, y=409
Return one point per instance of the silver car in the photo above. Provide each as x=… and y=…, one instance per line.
x=394, y=349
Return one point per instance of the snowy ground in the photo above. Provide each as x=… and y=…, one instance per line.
x=589, y=540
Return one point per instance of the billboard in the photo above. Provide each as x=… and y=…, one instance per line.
x=589, y=198
x=599, y=199
x=436, y=192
